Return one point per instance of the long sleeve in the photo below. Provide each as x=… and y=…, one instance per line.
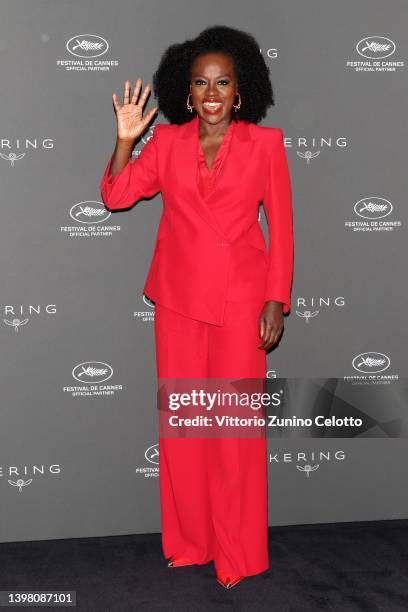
x=138, y=179
x=277, y=203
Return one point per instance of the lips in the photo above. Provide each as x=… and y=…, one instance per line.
x=212, y=107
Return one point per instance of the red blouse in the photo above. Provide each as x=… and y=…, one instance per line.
x=205, y=177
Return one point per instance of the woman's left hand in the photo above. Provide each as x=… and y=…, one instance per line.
x=270, y=324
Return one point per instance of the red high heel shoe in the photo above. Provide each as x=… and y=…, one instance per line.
x=179, y=561
x=228, y=580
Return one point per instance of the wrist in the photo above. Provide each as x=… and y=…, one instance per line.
x=123, y=143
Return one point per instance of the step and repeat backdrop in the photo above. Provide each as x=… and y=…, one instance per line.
x=78, y=430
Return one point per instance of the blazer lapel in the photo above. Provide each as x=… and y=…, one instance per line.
x=235, y=163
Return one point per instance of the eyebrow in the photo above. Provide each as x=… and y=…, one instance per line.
x=218, y=77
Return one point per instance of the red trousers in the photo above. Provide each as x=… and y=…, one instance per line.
x=213, y=491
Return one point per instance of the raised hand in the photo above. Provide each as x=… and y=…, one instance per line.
x=130, y=121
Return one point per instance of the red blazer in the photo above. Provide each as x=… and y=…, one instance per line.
x=205, y=245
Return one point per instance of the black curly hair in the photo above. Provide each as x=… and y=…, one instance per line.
x=172, y=78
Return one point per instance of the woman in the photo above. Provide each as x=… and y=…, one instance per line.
x=219, y=294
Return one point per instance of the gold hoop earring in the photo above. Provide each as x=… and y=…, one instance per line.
x=237, y=106
x=190, y=108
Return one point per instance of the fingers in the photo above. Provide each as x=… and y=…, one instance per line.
x=144, y=95
x=269, y=334
x=136, y=91
x=126, y=93
x=149, y=115
x=261, y=327
x=115, y=102
x=135, y=96
x=270, y=341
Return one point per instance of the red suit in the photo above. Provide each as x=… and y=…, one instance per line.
x=209, y=276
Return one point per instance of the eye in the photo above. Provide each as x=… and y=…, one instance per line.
x=201, y=81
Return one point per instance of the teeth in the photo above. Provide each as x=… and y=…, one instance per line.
x=212, y=104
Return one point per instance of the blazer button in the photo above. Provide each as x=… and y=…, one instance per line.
x=223, y=244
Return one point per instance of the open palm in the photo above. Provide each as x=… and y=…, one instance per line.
x=130, y=121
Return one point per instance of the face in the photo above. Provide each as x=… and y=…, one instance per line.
x=213, y=80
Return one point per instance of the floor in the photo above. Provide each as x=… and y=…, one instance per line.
x=346, y=567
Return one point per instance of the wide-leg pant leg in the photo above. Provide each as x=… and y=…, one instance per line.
x=238, y=466
x=182, y=352
x=213, y=491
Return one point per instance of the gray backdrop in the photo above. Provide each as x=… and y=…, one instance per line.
x=78, y=454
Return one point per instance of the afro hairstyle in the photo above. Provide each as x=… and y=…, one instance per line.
x=172, y=78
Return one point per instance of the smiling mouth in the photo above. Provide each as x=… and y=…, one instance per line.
x=212, y=105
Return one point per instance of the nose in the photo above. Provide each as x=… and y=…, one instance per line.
x=211, y=88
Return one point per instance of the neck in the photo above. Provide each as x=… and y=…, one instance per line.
x=209, y=130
